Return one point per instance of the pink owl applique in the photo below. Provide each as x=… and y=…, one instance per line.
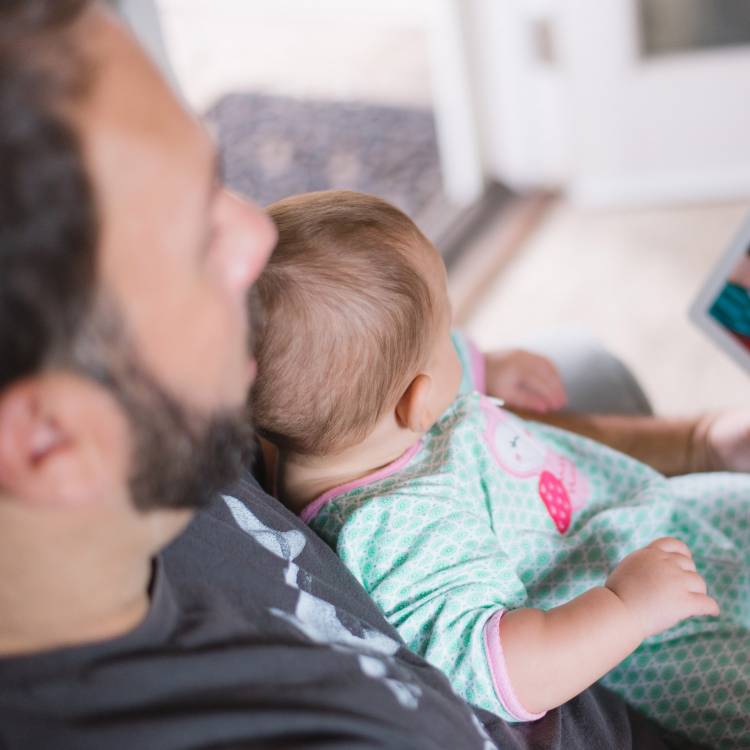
x=561, y=487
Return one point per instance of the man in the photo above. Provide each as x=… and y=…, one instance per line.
x=123, y=371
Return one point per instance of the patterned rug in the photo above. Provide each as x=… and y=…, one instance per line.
x=276, y=146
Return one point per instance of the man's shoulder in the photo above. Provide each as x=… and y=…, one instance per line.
x=256, y=636
x=248, y=544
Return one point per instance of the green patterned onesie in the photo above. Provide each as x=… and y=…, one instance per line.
x=488, y=513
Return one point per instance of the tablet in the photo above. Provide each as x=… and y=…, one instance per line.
x=722, y=308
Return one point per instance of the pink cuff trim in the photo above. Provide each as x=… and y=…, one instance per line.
x=313, y=508
x=499, y=671
x=477, y=367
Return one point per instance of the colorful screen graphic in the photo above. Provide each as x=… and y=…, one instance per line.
x=731, y=309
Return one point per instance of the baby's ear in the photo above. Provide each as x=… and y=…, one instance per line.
x=413, y=408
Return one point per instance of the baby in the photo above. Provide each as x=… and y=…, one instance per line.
x=524, y=561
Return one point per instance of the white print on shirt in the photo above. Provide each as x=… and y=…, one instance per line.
x=317, y=619
x=488, y=743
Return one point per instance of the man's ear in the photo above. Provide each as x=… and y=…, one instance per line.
x=54, y=435
x=413, y=408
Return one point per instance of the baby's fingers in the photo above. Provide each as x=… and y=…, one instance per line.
x=670, y=544
x=545, y=378
x=695, y=583
x=548, y=372
x=526, y=398
x=685, y=563
x=544, y=391
x=555, y=385
x=702, y=604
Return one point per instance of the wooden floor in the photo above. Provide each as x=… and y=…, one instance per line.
x=628, y=277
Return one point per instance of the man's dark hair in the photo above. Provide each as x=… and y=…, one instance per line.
x=47, y=214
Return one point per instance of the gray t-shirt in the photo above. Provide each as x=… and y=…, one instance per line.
x=258, y=637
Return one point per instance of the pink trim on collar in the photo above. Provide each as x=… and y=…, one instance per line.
x=313, y=507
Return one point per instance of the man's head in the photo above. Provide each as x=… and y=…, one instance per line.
x=123, y=335
x=355, y=322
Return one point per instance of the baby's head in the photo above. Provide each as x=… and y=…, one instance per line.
x=354, y=326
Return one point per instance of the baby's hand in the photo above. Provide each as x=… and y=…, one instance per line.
x=660, y=586
x=524, y=380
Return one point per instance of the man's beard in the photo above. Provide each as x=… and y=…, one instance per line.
x=180, y=457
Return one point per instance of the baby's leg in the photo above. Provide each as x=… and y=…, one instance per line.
x=699, y=685
x=696, y=677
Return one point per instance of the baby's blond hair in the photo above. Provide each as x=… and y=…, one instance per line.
x=345, y=320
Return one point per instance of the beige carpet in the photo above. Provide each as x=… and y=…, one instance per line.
x=628, y=277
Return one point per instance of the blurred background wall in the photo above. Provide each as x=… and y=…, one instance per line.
x=581, y=164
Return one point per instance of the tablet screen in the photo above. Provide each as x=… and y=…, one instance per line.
x=731, y=309
x=722, y=308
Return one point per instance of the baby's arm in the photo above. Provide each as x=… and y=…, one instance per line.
x=552, y=656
